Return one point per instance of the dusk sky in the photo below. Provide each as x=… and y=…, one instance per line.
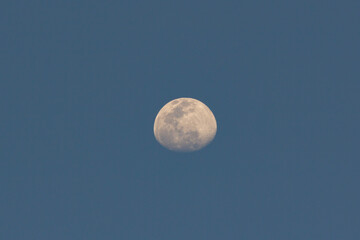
x=81, y=83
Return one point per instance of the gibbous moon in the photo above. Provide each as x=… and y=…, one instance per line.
x=185, y=125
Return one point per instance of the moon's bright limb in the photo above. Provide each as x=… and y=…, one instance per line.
x=185, y=125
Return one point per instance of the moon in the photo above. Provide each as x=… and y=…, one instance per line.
x=185, y=125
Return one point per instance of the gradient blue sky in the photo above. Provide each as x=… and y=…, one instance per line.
x=82, y=81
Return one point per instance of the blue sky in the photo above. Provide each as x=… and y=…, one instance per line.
x=81, y=84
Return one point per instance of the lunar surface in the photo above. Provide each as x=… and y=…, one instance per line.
x=185, y=125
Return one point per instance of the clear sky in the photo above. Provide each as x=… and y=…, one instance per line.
x=81, y=83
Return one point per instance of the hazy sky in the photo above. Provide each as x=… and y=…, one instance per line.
x=81, y=83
